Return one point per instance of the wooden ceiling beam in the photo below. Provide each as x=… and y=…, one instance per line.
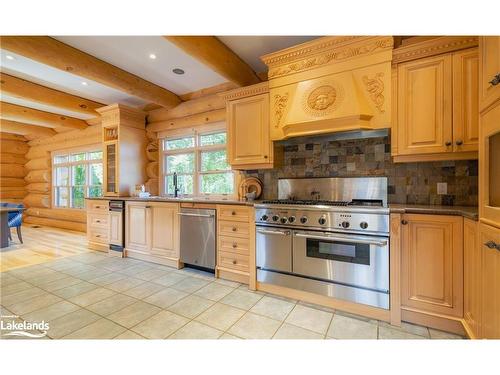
x=61, y=56
x=211, y=52
x=20, y=128
x=32, y=116
x=22, y=89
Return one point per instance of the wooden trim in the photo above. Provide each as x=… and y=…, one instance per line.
x=188, y=121
x=469, y=155
x=226, y=86
x=23, y=89
x=431, y=47
x=26, y=129
x=395, y=268
x=211, y=52
x=61, y=56
x=261, y=88
x=354, y=308
x=171, y=262
x=32, y=116
x=432, y=320
x=232, y=275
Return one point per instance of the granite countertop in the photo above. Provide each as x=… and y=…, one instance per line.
x=180, y=200
x=465, y=211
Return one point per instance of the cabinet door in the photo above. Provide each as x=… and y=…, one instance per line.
x=466, y=100
x=489, y=68
x=431, y=264
x=138, y=226
x=472, y=277
x=165, y=230
x=424, y=121
x=490, y=281
x=115, y=228
x=248, y=131
x=110, y=169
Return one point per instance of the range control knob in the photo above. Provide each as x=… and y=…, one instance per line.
x=264, y=217
x=303, y=219
x=275, y=218
x=345, y=224
x=322, y=220
x=283, y=220
x=363, y=225
x=291, y=219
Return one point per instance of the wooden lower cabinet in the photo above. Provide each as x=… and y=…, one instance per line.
x=98, y=224
x=115, y=228
x=152, y=232
x=432, y=264
x=472, y=279
x=489, y=243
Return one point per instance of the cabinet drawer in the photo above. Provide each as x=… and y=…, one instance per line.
x=234, y=229
x=234, y=213
x=98, y=235
x=233, y=261
x=98, y=206
x=234, y=245
x=98, y=220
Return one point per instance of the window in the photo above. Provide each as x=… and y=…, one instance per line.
x=200, y=162
x=76, y=176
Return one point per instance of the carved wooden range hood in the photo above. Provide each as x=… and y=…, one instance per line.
x=330, y=84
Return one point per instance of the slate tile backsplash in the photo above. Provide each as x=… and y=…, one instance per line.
x=411, y=183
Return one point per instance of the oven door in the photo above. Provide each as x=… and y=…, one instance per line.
x=353, y=260
x=274, y=249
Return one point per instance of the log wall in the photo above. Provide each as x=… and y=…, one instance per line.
x=13, y=149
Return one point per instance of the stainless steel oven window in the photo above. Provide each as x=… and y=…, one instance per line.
x=348, y=252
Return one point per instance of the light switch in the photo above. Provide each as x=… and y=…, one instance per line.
x=442, y=188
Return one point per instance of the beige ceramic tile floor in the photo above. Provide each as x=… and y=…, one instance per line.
x=93, y=296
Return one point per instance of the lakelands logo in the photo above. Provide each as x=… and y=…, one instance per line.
x=14, y=328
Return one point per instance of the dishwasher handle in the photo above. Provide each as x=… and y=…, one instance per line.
x=194, y=215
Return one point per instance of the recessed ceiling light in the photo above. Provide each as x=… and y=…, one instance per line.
x=10, y=57
x=152, y=56
x=178, y=71
x=85, y=83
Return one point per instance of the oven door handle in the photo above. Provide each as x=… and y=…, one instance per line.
x=341, y=239
x=275, y=232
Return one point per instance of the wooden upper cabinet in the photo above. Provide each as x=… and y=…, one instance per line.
x=424, y=106
x=472, y=279
x=466, y=100
x=489, y=240
x=432, y=264
x=489, y=50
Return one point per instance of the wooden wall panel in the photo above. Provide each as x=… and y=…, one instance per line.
x=12, y=172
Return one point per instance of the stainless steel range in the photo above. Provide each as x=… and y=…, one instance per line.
x=327, y=236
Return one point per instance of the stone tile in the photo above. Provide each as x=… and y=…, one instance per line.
x=78, y=269
x=112, y=304
x=93, y=274
x=253, y=326
x=317, y=307
x=196, y=273
x=409, y=328
x=143, y=290
x=196, y=331
x=136, y=269
x=59, y=284
x=151, y=274
x=355, y=316
x=227, y=336
x=91, y=297
x=129, y=335
x=125, y=284
x=214, y=291
x=160, y=325
x=241, y=299
x=71, y=322
x=108, y=279
x=134, y=314
x=274, y=308
x=22, y=296
x=232, y=284
x=191, y=306
x=441, y=335
x=343, y=327
x=51, y=312
x=7, y=279
x=220, y=316
x=309, y=318
x=100, y=329
x=33, y=304
x=44, y=279
x=190, y=284
x=395, y=334
x=291, y=332
x=165, y=297
x=13, y=288
x=75, y=290
x=169, y=279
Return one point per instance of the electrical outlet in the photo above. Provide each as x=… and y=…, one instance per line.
x=442, y=188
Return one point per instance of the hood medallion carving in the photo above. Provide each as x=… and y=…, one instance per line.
x=322, y=98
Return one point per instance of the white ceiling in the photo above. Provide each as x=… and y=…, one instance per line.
x=131, y=53
x=250, y=48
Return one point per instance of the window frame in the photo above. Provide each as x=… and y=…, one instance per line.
x=70, y=164
x=197, y=150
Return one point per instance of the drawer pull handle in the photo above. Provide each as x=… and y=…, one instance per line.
x=97, y=206
x=235, y=245
x=492, y=245
x=147, y=206
x=496, y=80
x=234, y=262
x=235, y=229
x=98, y=235
x=98, y=221
x=233, y=213
x=404, y=222
x=447, y=143
x=459, y=142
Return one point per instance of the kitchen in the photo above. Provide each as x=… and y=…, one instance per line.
x=347, y=190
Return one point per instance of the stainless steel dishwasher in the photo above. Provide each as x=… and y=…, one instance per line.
x=197, y=242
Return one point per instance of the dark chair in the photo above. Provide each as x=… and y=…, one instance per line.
x=15, y=219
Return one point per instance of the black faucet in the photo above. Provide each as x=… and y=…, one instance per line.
x=176, y=186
